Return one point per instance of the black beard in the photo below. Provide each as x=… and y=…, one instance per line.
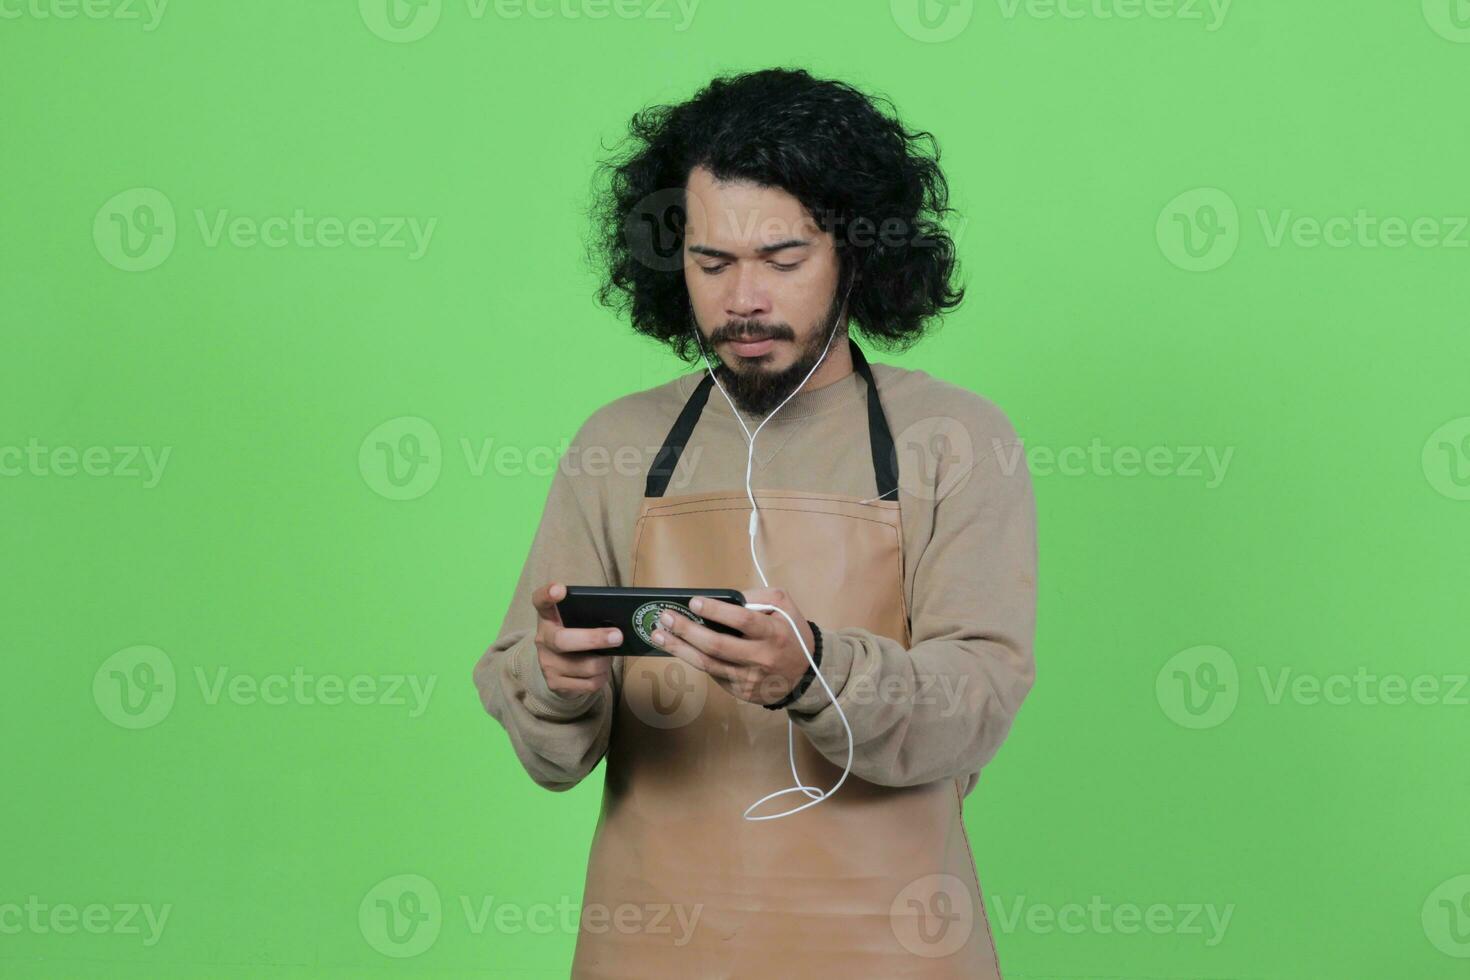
x=757, y=390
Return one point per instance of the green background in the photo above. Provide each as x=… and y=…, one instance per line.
x=1335, y=542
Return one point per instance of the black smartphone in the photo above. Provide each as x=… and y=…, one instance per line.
x=635, y=612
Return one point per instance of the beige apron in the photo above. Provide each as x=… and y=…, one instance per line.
x=874, y=882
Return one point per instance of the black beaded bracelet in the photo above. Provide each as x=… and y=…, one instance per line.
x=808, y=677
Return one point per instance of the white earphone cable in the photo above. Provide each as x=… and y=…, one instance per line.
x=817, y=795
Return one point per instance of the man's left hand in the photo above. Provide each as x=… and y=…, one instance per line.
x=762, y=665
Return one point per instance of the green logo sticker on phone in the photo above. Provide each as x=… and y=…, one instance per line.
x=645, y=617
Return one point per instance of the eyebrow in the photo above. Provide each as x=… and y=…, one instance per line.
x=763, y=250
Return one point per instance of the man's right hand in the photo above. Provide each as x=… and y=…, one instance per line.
x=569, y=669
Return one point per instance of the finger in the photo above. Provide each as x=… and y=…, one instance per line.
x=692, y=656
x=747, y=621
x=584, y=667
x=721, y=646
x=576, y=686
x=570, y=639
x=545, y=600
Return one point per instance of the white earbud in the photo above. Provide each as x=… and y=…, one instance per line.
x=817, y=795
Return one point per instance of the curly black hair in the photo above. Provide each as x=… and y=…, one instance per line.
x=856, y=170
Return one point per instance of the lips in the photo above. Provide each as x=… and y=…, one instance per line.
x=752, y=348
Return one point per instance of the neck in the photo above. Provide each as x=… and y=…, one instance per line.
x=835, y=366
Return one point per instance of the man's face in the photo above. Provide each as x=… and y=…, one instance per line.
x=757, y=267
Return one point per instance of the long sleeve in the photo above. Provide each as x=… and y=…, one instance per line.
x=942, y=707
x=558, y=740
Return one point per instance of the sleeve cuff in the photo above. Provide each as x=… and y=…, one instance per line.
x=837, y=657
x=540, y=699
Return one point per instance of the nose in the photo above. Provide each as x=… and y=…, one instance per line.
x=748, y=297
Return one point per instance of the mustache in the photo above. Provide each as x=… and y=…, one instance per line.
x=752, y=333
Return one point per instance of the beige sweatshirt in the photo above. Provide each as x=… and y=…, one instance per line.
x=938, y=709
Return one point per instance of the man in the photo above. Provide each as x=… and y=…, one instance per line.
x=753, y=225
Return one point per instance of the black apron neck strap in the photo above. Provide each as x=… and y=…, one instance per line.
x=677, y=439
x=880, y=436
